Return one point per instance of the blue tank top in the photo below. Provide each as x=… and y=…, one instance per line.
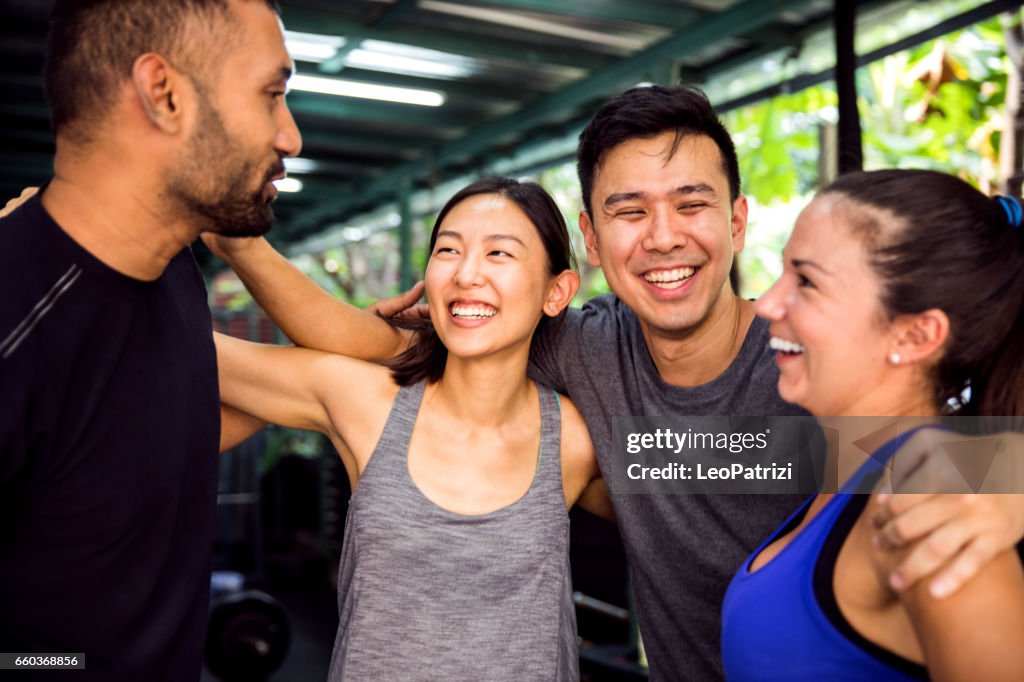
x=782, y=622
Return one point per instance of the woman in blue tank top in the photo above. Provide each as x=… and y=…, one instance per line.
x=902, y=295
x=455, y=562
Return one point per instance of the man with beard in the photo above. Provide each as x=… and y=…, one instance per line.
x=170, y=120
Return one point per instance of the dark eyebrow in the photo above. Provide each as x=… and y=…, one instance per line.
x=491, y=237
x=623, y=196
x=802, y=262
x=696, y=188
x=497, y=237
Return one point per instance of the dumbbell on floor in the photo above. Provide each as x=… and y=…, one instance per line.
x=248, y=636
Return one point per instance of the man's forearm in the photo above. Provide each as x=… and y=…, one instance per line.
x=236, y=426
x=307, y=314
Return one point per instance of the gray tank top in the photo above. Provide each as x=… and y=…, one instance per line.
x=428, y=594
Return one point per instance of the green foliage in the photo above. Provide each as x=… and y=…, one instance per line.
x=778, y=147
x=561, y=182
x=777, y=142
x=958, y=131
x=422, y=227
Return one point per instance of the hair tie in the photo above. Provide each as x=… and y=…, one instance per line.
x=1012, y=209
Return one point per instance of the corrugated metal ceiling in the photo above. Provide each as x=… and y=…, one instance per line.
x=510, y=72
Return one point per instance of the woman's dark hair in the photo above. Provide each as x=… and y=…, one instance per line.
x=936, y=242
x=426, y=359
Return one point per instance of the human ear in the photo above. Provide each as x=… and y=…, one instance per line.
x=921, y=336
x=738, y=225
x=159, y=90
x=589, y=238
x=560, y=292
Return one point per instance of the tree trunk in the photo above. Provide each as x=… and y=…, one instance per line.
x=1011, y=148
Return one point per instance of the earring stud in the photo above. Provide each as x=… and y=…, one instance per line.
x=895, y=358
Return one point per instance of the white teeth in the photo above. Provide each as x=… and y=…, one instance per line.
x=669, y=278
x=775, y=343
x=472, y=312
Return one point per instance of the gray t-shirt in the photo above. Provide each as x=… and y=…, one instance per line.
x=682, y=549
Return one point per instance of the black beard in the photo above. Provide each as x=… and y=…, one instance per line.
x=214, y=190
x=236, y=213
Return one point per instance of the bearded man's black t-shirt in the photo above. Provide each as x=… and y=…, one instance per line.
x=109, y=430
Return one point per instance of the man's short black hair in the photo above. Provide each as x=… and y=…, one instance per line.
x=647, y=111
x=93, y=44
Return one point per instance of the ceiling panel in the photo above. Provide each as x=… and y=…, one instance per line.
x=512, y=72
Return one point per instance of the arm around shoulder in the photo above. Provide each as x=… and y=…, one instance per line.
x=581, y=477
x=977, y=633
x=296, y=387
x=236, y=426
x=307, y=314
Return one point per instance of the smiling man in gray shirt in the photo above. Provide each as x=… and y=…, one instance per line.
x=663, y=217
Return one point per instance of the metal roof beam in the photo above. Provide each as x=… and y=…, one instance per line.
x=741, y=19
x=557, y=145
x=36, y=111
x=33, y=167
x=806, y=80
x=632, y=12
x=462, y=88
x=314, y=187
x=332, y=23
x=390, y=16
x=39, y=137
x=773, y=39
x=328, y=106
x=393, y=14
x=340, y=168
x=395, y=145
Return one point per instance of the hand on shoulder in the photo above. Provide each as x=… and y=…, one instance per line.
x=579, y=462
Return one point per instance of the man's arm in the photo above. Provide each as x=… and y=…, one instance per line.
x=975, y=634
x=236, y=426
x=551, y=342
x=595, y=499
x=952, y=536
x=307, y=314
x=581, y=477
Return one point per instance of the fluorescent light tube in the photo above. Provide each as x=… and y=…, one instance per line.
x=349, y=88
x=288, y=185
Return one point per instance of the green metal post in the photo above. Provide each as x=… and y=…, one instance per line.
x=665, y=73
x=405, y=274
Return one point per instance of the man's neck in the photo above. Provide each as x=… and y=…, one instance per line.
x=114, y=216
x=698, y=355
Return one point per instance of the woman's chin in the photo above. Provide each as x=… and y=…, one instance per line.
x=796, y=396
x=785, y=389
